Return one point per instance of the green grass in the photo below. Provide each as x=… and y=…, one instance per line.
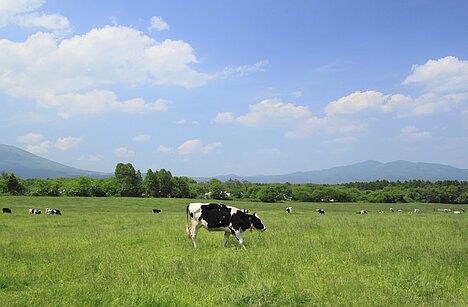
x=115, y=252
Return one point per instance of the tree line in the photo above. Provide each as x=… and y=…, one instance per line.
x=128, y=182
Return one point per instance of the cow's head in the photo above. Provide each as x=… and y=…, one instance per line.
x=257, y=222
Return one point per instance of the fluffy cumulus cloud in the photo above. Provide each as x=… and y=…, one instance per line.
x=357, y=102
x=445, y=89
x=39, y=148
x=70, y=74
x=25, y=13
x=191, y=147
x=66, y=143
x=274, y=112
x=448, y=74
x=157, y=23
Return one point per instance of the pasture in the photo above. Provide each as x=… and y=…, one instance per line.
x=116, y=252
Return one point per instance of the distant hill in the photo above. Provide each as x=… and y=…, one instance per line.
x=27, y=165
x=364, y=172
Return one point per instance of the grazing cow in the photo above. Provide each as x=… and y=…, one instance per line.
x=399, y=210
x=289, y=209
x=392, y=210
x=320, y=211
x=219, y=217
x=362, y=212
x=53, y=211
x=459, y=211
x=416, y=210
x=34, y=211
x=156, y=211
x=6, y=210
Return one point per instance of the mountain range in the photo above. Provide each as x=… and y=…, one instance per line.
x=27, y=165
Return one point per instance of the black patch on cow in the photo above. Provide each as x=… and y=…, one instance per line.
x=216, y=215
x=241, y=220
x=6, y=210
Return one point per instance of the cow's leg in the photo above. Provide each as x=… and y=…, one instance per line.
x=194, y=230
x=226, y=237
x=238, y=235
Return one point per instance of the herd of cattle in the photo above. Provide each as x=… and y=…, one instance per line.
x=36, y=211
x=231, y=220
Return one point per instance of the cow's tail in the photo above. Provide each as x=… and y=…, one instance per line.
x=188, y=230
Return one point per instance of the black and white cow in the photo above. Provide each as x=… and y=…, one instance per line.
x=6, y=210
x=320, y=211
x=362, y=212
x=53, y=211
x=156, y=211
x=288, y=209
x=219, y=217
x=34, y=211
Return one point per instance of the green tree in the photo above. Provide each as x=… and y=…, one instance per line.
x=165, y=183
x=267, y=194
x=129, y=181
x=12, y=184
x=217, y=189
x=151, y=184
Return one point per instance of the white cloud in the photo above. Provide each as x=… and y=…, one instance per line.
x=157, y=23
x=68, y=142
x=24, y=14
x=37, y=149
x=191, y=147
x=142, y=138
x=64, y=73
x=411, y=134
x=224, y=118
x=30, y=138
x=447, y=74
x=274, y=112
x=241, y=71
x=165, y=149
x=356, y=102
x=123, y=152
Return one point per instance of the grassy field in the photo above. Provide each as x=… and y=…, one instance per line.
x=115, y=252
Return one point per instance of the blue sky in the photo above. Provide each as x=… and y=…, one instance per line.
x=204, y=88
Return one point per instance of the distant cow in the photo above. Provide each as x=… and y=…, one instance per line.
x=289, y=209
x=53, y=211
x=459, y=211
x=245, y=210
x=416, y=210
x=320, y=211
x=362, y=212
x=156, y=211
x=34, y=211
x=392, y=210
x=6, y=210
x=443, y=209
x=219, y=217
